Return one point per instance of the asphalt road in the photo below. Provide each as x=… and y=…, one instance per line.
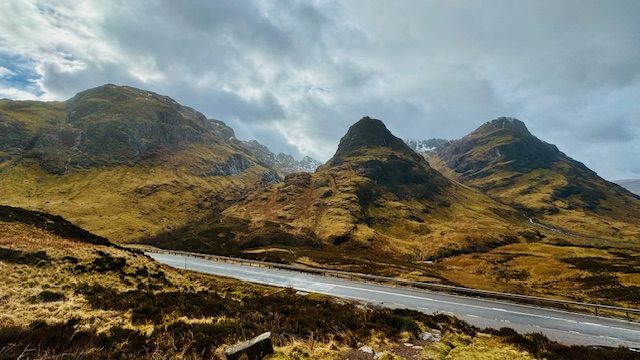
x=565, y=327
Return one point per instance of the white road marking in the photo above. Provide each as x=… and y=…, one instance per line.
x=481, y=307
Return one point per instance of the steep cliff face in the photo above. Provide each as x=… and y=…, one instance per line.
x=122, y=162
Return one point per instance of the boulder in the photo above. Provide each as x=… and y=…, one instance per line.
x=253, y=349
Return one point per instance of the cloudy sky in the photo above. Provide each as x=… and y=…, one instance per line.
x=296, y=74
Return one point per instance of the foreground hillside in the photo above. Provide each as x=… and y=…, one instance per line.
x=121, y=162
x=505, y=160
x=87, y=298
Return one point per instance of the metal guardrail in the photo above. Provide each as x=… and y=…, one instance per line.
x=376, y=278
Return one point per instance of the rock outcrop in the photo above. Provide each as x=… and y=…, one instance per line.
x=283, y=163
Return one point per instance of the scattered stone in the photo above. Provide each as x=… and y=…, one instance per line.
x=254, y=349
x=355, y=354
x=367, y=349
x=431, y=335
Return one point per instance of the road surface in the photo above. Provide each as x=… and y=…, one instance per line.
x=565, y=327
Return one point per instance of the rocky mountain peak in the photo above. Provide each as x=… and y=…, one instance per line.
x=105, y=126
x=504, y=143
x=368, y=133
x=509, y=124
x=115, y=94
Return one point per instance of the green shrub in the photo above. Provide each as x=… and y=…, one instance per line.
x=47, y=296
x=37, y=258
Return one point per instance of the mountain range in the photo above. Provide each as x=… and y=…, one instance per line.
x=498, y=209
x=376, y=196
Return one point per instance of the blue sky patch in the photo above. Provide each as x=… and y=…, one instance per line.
x=19, y=72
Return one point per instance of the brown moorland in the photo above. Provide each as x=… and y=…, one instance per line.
x=64, y=296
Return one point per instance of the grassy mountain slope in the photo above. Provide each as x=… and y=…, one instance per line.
x=377, y=195
x=376, y=198
x=99, y=301
x=122, y=162
x=506, y=161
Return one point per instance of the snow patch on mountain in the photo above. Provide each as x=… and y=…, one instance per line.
x=423, y=147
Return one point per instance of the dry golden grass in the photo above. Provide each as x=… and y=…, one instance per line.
x=124, y=203
x=178, y=335
x=615, y=217
x=309, y=349
x=33, y=115
x=545, y=269
x=23, y=282
x=481, y=347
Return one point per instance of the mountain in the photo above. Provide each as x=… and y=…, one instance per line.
x=424, y=147
x=284, y=163
x=632, y=185
x=506, y=161
x=122, y=162
x=375, y=197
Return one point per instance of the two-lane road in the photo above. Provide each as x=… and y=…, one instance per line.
x=562, y=326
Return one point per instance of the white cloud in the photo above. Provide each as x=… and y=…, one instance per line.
x=5, y=72
x=13, y=93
